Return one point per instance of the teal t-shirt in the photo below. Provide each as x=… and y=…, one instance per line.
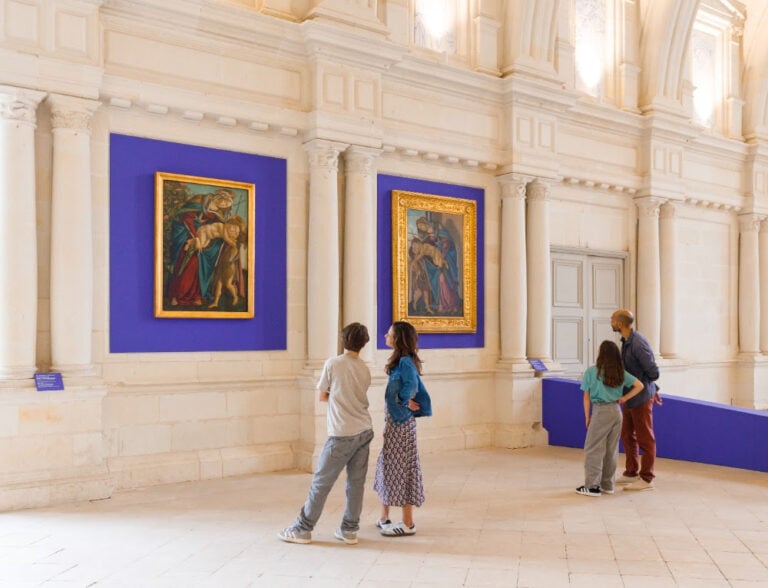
x=599, y=392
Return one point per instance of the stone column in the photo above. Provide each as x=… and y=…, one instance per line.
x=669, y=270
x=763, y=257
x=323, y=267
x=648, y=270
x=513, y=283
x=359, y=294
x=71, y=236
x=749, y=285
x=539, y=272
x=18, y=227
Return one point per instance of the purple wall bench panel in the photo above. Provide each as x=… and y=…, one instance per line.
x=686, y=429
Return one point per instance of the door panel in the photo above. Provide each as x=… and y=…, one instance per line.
x=586, y=289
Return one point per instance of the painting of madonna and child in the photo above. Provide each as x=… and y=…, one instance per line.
x=434, y=252
x=204, y=247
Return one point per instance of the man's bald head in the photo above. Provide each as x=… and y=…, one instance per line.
x=624, y=316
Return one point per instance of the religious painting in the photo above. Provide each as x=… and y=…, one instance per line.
x=434, y=252
x=204, y=247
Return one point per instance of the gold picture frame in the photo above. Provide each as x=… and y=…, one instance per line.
x=204, y=247
x=434, y=253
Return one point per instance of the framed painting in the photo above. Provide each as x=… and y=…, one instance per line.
x=204, y=247
x=434, y=253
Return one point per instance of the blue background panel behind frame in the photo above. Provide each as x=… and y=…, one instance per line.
x=384, y=259
x=133, y=327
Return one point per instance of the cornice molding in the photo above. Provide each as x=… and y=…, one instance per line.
x=442, y=77
x=539, y=94
x=201, y=21
x=349, y=46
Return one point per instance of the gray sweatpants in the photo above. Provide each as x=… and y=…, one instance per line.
x=601, y=448
x=338, y=453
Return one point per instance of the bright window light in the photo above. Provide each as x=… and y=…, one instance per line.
x=435, y=25
x=590, y=43
x=434, y=16
x=704, y=47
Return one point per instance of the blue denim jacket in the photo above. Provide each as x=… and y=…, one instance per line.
x=402, y=386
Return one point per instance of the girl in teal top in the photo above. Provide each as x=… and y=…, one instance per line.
x=603, y=385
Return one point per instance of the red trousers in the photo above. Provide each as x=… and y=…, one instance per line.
x=637, y=430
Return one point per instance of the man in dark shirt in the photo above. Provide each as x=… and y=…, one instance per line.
x=637, y=413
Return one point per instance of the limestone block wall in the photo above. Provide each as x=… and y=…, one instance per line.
x=319, y=92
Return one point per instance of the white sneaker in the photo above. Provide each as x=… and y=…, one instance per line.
x=627, y=479
x=348, y=537
x=383, y=524
x=295, y=534
x=399, y=530
x=639, y=484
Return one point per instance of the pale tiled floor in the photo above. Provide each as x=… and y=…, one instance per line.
x=492, y=518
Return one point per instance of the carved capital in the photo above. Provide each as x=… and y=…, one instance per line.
x=19, y=105
x=71, y=113
x=513, y=189
x=360, y=160
x=648, y=207
x=750, y=223
x=324, y=154
x=668, y=211
x=538, y=190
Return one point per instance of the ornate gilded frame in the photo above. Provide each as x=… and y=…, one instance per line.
x=419, y=277
x=183, y=204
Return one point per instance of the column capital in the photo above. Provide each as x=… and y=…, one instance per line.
x=360, y=159
x=750, y=222
x=648, y=206
x=69, y=112
x=19, y=104
x=513, y=186
x=324, y=154
x=669, y=210
x=538, y=189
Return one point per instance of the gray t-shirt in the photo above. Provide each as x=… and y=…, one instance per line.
x=347, y=378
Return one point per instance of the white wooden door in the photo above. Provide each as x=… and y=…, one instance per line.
x=586, y=289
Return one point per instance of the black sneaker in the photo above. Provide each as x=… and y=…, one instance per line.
x=593, y=491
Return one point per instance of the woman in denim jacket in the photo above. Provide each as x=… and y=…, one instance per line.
x=398, y=471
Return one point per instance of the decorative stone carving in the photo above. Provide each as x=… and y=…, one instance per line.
x=19, y=105
x=323, y=154
x=359, y=160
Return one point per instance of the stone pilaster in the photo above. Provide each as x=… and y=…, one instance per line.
x=649, y=270
x=323, y=265
x=359, y=295
x=18, y=226
x=749, y=285
x=539, y=272
x=669, y=286
x=71, y=236
x=513, y=312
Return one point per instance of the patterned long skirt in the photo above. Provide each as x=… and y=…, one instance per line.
x=398, y=470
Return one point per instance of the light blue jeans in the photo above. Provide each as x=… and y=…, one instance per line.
x=338, y=453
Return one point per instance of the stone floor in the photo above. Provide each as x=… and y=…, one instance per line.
x=492, y=518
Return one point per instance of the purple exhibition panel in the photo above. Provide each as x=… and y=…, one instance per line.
x=384, y=258
x=133, y=326
x=686, y=429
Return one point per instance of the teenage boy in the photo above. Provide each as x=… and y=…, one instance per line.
x=343, y=385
